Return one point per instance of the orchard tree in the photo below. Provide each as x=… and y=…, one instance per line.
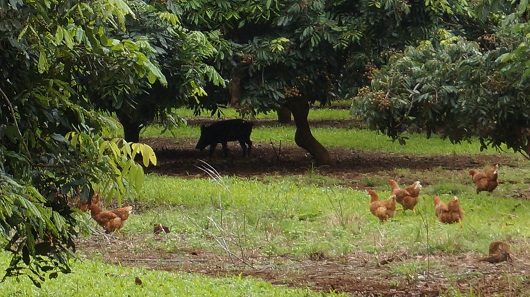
x=53, y=54
x=293, y=53
x=457, y=88
x=177, y=53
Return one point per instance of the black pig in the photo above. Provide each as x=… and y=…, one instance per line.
x=224, y=131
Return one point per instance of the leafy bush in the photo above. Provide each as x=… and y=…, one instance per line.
x=454, y=88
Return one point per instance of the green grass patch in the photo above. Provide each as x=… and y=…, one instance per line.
x=338, y=110
x=300, y=217
x=94, y=278
x=303, y=215
x=358, y=139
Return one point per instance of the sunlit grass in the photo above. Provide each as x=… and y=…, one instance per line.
x=315, y=113
x=95, y=278
x=417, y=144
x=332, y=137
x=357, y=139
x=337, y=218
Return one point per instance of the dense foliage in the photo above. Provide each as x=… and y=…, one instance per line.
x=317, y=50
x=52, y=55
x=287, y=55
x=180, y=56
x=456, y=87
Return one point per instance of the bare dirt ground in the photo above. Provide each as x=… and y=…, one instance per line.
x=359, y=274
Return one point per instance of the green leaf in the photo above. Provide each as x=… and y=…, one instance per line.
x=136, y=177
x=155, y=71
x=68, y=39
x=148, y=155
x=79, y=35
x=43, y=65
x=59, y=138
x=22, y=32
x=151, y=77
x=59, y=35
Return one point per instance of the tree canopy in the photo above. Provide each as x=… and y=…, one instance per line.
x=261, y=56
x=293, y=53
x=458, y=88
x=180, y=56
x=52, y=54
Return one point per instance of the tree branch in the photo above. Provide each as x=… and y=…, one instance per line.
x=12, y=111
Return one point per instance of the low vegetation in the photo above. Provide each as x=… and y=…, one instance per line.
x=95, y=278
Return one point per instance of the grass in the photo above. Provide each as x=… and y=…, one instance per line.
x=342, y=112
x=94, y=278
x=336, y=217
x=361, y=140
x=301, y=216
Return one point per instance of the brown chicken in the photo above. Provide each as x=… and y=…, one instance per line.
x=384, y=210
x=110, y=220
x=448, y=213
x=487, y=180
x=499, y=251
x=407, y=197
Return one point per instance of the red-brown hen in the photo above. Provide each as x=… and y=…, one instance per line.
x=485, y=180
x=407, y=197
x=384, y=210
x=110, y=220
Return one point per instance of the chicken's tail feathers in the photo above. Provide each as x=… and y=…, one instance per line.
x=472, y=172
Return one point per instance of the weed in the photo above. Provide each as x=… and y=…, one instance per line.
x=425, y=225
x=370, y=181
x=412, y=271
x=277, y=152
x=336, y=200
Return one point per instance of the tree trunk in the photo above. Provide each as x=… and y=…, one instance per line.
x=235, y=91
x=131, y=128
x=303, y=136
x=284, y=114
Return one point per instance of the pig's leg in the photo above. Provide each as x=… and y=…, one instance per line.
x=243, y=147
x=225, y=149
x=249, y=146
x=212, y=148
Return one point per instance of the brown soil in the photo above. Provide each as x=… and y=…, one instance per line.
x=357, y=273
x=179, y=158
